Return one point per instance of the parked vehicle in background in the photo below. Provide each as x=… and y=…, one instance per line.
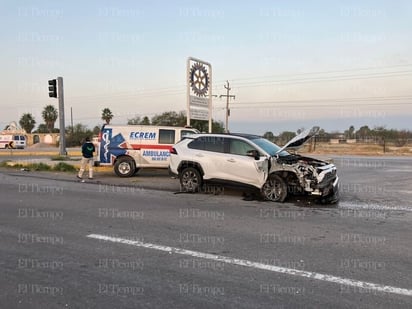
x=129, y=148
x=12, y=141
x=252, y=161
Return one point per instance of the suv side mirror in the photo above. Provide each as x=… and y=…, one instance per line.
x=254, y=154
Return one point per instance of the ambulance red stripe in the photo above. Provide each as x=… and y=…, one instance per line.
x=140, y=146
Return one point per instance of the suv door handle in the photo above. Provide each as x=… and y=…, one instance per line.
x=199, y=155
x=231, y=160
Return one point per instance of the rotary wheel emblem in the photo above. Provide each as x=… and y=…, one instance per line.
x=199, y=79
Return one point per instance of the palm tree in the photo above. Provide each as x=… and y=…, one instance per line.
x=50, y=115
x=27, y=122
x=351, y=131
x=107, y=115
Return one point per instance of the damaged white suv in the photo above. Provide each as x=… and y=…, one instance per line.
x=253, y=161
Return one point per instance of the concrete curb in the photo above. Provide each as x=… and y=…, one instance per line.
x=18, y=152
x=50, y=162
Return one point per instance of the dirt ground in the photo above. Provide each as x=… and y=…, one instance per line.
x=357, y=149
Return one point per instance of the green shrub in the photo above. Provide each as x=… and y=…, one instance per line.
x=64, y=158
x=9, y=163
x=33, y=166
x=59, y=167
x=58, y=158
x=4, y=163
x=39, y=167
x=64, y=167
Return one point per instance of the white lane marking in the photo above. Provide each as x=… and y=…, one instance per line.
x=373, y=206
x=247, y=263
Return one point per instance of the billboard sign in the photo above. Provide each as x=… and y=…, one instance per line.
x=199, y=90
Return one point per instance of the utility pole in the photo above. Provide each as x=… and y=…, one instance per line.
x=227, y=104
x=71, y=118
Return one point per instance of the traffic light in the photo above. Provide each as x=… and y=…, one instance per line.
x=53, y=88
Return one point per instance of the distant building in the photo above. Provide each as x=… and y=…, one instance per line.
x=13, y=128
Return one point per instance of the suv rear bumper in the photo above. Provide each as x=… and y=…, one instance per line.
x=171, y=173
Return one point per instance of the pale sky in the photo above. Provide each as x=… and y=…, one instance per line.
x=290, y=64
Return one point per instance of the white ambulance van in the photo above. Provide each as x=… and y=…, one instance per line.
x=12, y=141
x=129, y=148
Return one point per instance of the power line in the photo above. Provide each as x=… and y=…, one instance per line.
x=325, y=72
x=296, y=81
x=323, y=105
x=181, y=89
x=327, y=105
x=260, y=84
x=351, y=99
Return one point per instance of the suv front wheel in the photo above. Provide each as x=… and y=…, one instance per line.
x=274, y=189
x=190, y=180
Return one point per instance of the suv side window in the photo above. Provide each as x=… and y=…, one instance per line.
x=239, y=147
x=198, y=143
x=208, y=143
x=166, y=136
x=215, y=144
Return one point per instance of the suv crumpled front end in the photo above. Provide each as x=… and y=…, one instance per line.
x=305, y=175
x=297, y=174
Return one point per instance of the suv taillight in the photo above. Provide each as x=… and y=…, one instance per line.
x=173, y=151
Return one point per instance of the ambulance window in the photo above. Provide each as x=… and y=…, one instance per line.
x=166, y=136
x=185, y=133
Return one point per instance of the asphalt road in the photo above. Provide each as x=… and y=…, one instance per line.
x=117, y=243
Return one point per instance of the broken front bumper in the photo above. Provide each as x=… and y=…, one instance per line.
x=326, y=188
x=331, y=194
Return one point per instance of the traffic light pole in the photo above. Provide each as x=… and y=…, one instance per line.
x=62, y=142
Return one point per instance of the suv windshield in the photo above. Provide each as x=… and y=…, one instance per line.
x=269, y=147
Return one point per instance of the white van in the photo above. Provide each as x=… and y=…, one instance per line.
x=12, y=141
x=129, y=148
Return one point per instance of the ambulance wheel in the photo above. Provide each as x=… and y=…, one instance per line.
x=124, y=167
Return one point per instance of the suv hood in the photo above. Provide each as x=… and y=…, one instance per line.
x=300, y=139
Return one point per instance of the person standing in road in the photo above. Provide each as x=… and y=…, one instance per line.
x=87, y=158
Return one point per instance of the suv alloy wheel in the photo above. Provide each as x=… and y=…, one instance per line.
x=190, y=180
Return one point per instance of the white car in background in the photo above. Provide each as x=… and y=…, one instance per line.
x=255, y=162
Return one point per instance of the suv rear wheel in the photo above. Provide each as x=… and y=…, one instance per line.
x=190, y=180
x=275, y=189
